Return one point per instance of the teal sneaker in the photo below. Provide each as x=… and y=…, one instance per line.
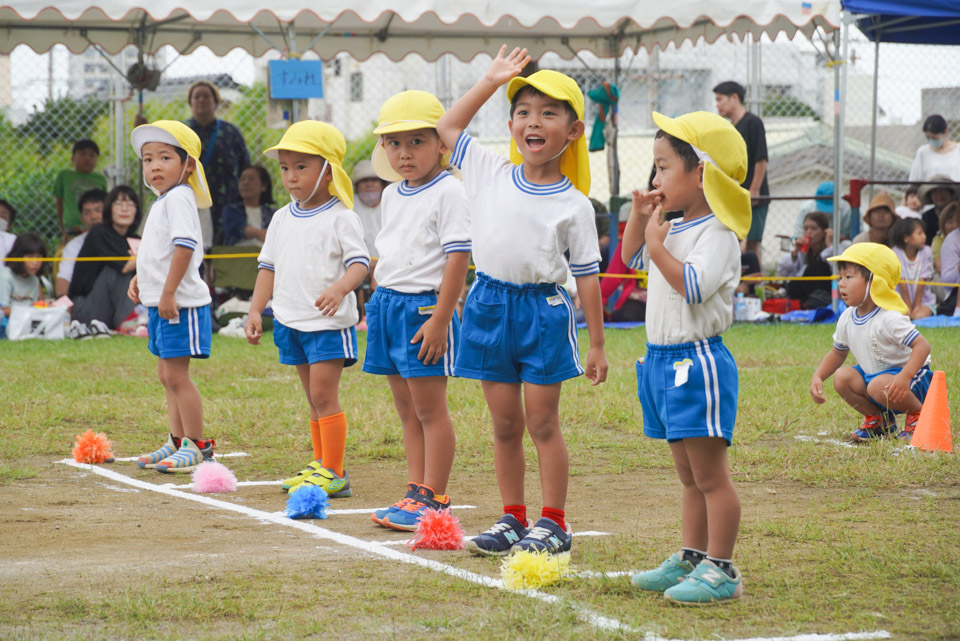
x=706, y=585
x=670, y=573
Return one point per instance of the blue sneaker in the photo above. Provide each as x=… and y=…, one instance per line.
x=498, y=539
x=407, y=516
x=875, y=427
x=547, y=536
x=377, y=516
x=670, y=573
x=706, y=585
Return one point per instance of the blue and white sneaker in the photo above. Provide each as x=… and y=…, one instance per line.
x=706, y=585
x=670, y=573
x=407, y=517
x=547, y=536
x=377, y=516
x=498, y=540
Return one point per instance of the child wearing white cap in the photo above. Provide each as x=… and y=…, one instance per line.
x=312, y=261
x=168, y=283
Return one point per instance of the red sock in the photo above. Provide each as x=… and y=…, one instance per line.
x=556, y=516
x=518, y=511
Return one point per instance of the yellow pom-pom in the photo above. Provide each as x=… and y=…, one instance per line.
x=526, y=570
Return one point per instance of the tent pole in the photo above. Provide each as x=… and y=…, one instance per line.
x=839, y=103
x=873, y=118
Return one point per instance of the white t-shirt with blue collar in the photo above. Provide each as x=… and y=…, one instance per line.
x=421, y=225
x=521, y=230
x=308, y=250
x=710, y=254
x=881, y=339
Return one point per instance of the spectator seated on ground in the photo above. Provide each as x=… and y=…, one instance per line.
x=824, y=204
x=879, y=218
x=808, y=258
x=950, y=270
x=949, y=220
x=934, y=198
x=749, y=266
x=8, y=214
x=98, y=289
x=91, y=214
x=245, y=223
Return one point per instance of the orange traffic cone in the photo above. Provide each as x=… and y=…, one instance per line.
x=933, y=428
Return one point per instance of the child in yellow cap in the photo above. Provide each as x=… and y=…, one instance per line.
x=168, y=283
x=687, y=381
x=519, y=330
x=413, y=331
x=312, y=261
x=892, y=373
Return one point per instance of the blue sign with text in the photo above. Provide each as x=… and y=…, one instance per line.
x=296, y=79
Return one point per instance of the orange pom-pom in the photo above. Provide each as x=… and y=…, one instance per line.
x=438, y=530
x=92, y=447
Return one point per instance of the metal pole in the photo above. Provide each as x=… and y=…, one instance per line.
x=292, y=41
x=838, y=104
x=873, y=119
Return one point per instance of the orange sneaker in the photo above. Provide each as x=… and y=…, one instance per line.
x=874, y=427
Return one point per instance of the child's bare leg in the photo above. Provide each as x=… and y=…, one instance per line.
x=506, y=410
x=922, y=312
x=850, y=386
x=304, y=372
x=711, y=471
x=693, y=507
x=173, y=409
x=412, y=429
x=542, y=403
x=324, y=387
x=429, y=395
x=910, y=403
x=176, y=377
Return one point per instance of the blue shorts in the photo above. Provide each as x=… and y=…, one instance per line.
x=393, y=319
x=518, y=333
x=705, y=404
x=189, y=337
x=919, y=384
x=297, y=348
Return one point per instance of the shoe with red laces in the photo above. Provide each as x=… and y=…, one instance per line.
x=875, y=427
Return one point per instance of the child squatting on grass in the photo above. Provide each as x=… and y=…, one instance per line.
x=688, y=382
x=312, y=260
x=892, y=373
x=168, y=283
x=519, y=333
x=413, y=332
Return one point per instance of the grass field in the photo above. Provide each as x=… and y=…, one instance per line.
x=833, y=540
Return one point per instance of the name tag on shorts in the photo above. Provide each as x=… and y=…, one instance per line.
x=556, y=299
x=681, y=369
x=426, y=310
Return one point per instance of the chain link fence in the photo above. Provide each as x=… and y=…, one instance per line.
x=50, y=100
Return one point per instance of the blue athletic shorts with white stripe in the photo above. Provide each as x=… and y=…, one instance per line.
x=297, y=347
x=188, y=337
x=393, y=319
x=688, y=390
x=518, y=333
x=919, y=384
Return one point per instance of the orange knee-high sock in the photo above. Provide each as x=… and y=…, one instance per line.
x=316, y=440
x=333, y=433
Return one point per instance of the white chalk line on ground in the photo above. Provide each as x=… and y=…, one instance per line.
x=382, y=550
x=813, y=439
x=467, y=538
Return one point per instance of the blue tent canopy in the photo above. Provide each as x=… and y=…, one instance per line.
x=907, y=21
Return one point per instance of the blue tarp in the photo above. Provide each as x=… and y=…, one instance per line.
x=908, y=21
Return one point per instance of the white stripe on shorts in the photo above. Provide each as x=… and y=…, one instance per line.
x=716, y=388
x=706, y=389
x=571, y=328
x=345, y=339
x=191, y=332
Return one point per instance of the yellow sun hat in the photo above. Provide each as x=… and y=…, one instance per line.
x=176, y=134
x=723, y=152
x=885, y=267
x=405, y=111
x=574, y=163
x=319, y=139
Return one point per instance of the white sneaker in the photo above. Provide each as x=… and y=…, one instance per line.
x=99, y=329
x=79, y=331
x=234, y=328
x=233, y=306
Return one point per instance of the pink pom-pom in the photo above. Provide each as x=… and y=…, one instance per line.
x=92, y=447
x=438, y=530
x=212, y=477
x=142, y=332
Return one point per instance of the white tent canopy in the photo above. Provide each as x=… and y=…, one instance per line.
x=430, y=28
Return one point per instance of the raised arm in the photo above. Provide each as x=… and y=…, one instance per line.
x=502, y=69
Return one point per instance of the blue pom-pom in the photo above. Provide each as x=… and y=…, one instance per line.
x=308, y=502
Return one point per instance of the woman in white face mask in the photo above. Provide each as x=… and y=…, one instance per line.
x=939, y=155
x=7, y=214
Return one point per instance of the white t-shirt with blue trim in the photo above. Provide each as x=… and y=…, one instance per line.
x=521, y=230
x=173, y=222
x=880, y=339
x=421, y=225
x=710, y=254
x=308, y=250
